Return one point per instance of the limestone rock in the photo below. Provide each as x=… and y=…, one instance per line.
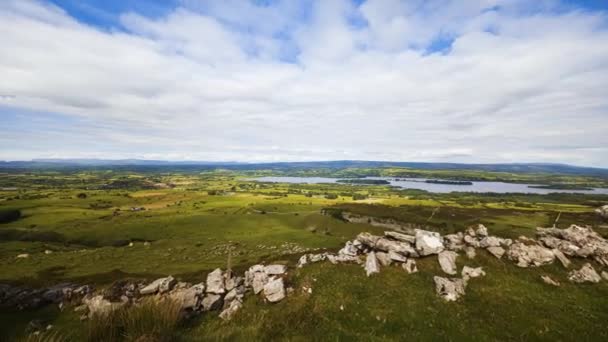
x=481, y=230
x=275, y=269
x=349, y=249
x=259, y=281
x=454, y=242
x=154, y=286
x=383, y=258
x=530, y=255
x=410, y=266
x=386, y=245
x=561, y=257
x=400, y=237
x=428, y=243
x=586, y=274
x=496, y=251
x=447, y=261
x=449, y=289
x=602, y=212
x=212, y=302
x=189, y=298
x=274, y=290
x=231, y=310
x=470, y=251
x=371, y=264
x=471, y=241
x=368, y=239
x=166, y=284
x=302, y=261
x=342, y=258
x=396, y=256
x=215, y=282
x=548, y=280
x=97, y=305
x=470, y=272
x=604, y=275
x=23, y=256
x=490, y=241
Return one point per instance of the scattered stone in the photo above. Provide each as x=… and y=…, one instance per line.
x=428, y=243
x=166, y=284
x=454, y=242
x=586, y=274
x=604, y=275
x=602, y=212
x=231, y=310
x=274, y=290
x=470, y=252
x=23, y=256
x=447, y=261
x=470, y=272
x=349, y=249
x=368, y=239
x=449, y=289
x=410, y=266
x=302, y=261
x=490, y=241
x=99, y=306
x=153, y=287
x=275, y=269
x=496, y=251
x=383, y=258
x=215, y=282
x=561, y=257
x=48, y=251
x=212, y=302
x=396, y=256
x=371, y=264
x=530, y=255
x=481, y=230
x=549, y=280
x=189, y=299
x=400, y=237
x=386, y=245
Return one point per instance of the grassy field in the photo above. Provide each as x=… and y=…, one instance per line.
x=193, y=221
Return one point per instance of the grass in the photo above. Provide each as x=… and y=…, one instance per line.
x=187, y=230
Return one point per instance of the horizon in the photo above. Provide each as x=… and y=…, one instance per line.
x=441, y=81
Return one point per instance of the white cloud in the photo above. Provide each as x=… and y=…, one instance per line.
x=208, y=81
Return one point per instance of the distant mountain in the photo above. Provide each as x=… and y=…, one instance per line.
x=337, y=164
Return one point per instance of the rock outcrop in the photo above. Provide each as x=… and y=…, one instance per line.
x=586, y=274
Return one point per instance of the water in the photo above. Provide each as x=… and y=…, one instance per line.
x=420, y=184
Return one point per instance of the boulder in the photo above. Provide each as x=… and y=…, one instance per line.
x=97, y=305
x=454, y=242
x=481, y=231
x=231, y=310
x=586, y=274
x=302, y=261
x=274, y=290
x=410, y=266
x=470, y=272
x=548, y=280
x=349, y=249
x=383, y=258
x=496, y=251
x=386, y=245
x=490, y=241
x=396, y=256
x=602, y=212
x=428, y=243
x=166, y=284
x=530, y=255
x=400, y=237
x=447, y=261
x=371, y=264
x=470, y=252
x=212, y=302
x=449, y=289
x=189, y=298
x=471, y=241
x=215, y=282
x=275, y=269
x=368, y=239
x=154, y=286
x=561, y=257
x=233, y=282
x=259, y=281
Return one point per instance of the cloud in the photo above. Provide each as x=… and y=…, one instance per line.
x=315, y=80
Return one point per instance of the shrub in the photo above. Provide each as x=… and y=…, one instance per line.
x=9, y=215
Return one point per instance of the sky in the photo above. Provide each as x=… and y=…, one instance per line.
x=486, y=81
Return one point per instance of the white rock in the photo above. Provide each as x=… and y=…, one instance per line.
x=530, y=255
x=383, y=258
x=470, y=252
x=401, y=237
x=548, y=280
x=428, y=243
x=215, y=282
x=496, y=251
x=447, y=261
x=410, y=266
x=231, y=310
x=449, y=289
x=349, y=249
x=481, y=230
x=396, y=256
x=211, y=302
x=99, y=306
x=371, y=264
x=471, y=272
x=302, y=261
x=561, y=257
x=489, y=241
x=275, y=269
x=586, y=274
x=23, y=256
x=152, y=287
x=274, y=290
x=166, y=284
x=259, y=280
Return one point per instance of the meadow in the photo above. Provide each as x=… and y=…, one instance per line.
x=99, y=226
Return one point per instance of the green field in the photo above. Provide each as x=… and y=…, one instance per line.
x=193, y=221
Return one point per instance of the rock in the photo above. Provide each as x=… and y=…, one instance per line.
x=586, y=274
x=23, y=256
x=471, y=241
x=274, y=290
x=449, y=289
x=212, y=302
x=602, y=212
x=454, y=242
x=496, y=251
x=312, y=258
x=166, y=284
x=371, y=264
x=275, y=269
x=368, y=239
x=48, y=251
x=233, y=282
x=530, y=255
x=470, y=272
x=481, y=230
x=428, y=243
x=342, y=258
x=97, y=305
x=396, y=256
x=489, y=241
x=153, y=287
x=561, y=257
x=302, y=261
x=383, y=258
x=386, y=245
x=189, y=298
x=410, y=266
x=349, y=249
x=604, y=275
x=549, y=280
x=470, y=252
x=259, y=280
x=447, y=261
x=231, y=310
x=400, y=237
x=215, y=282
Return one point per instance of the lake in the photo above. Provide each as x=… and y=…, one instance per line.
x=420, y=184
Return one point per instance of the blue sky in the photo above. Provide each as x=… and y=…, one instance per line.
x=434, y=80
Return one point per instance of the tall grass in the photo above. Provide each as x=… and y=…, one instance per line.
x=48, y=336
x=149, y=321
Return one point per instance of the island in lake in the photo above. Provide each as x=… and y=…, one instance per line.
x=560, y=187
x=364, y=181
x=448, y=182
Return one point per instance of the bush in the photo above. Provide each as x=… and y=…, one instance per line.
x=9, y=215
x=82, y=195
